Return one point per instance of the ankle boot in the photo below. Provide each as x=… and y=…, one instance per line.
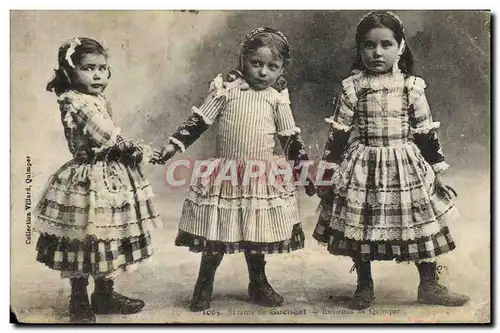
x=431, y=292
x=364, y=294
x=259, y=289
x=203, y=289
x=106, y=301
x=80, y=310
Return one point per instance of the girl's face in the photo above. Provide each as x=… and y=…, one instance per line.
x=262, y=68
x=91, y=74
x=379, y=50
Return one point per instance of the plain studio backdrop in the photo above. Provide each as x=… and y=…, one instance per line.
x=162, y=63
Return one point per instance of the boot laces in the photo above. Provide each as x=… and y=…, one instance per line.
x=436, y=286
x=441, y=269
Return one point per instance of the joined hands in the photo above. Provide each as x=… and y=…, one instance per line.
x=160, y=156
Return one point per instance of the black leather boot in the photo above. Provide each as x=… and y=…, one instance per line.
x=204, y=287
x=80, y=310
x=431, y=292
x=364, y=294
x=106, y=301
x=259, y=289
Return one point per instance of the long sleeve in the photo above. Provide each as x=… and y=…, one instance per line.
x=91, y=115
x=97, y=126
x=424, y=128
x=202, y=117
x=294, y=149
x=288, y=132
x=341, y=125
x=339, y=132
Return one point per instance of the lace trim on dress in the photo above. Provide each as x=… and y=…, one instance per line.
x=284, y=97
x=338, y=126
x=48, y=226
x=222, y=87
x=70, y=196
x=245, y=201
x=349, y=89
x=416, y=89
x=375, y=233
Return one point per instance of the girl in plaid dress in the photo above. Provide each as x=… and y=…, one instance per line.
x=388, y=199
x=96, y=211
x=256, y=218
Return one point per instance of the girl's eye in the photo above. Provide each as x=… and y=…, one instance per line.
x=369, y=45
x=87, y=69
x=103, y=68
x=273, y=67
x=386, y=44
x=255, y=63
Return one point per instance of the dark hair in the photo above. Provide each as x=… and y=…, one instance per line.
x=279, y=47
x=387, y=20
x=82, y=46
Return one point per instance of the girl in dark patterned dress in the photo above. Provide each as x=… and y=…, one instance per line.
x=388, y=199
x=95, y=214
x=257, y=218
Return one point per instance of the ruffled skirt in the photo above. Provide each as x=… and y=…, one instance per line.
x=95, y=218
x=229, y=216
x=385, y=205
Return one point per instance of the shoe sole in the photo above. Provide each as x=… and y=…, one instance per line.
x=254, y=298
x=113, y=311
x=360, y=307
x=260, y=302
x=116, y=312
x=441, y=304
x=193, y=309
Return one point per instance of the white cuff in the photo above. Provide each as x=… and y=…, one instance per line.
x=441, y=166
x=199, y=113
x=338, y=126
x=289, y=132
x=178, y=143
x=424, y=130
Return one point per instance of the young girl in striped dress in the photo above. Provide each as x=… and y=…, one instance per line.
x=388, y=199
x=95, y=214
x=257, y=218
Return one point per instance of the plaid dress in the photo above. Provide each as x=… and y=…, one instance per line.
x=384, y=203
x=95, y=213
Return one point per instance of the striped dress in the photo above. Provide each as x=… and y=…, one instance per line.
x=233, y=215
x=384, y=203
x=96, y=211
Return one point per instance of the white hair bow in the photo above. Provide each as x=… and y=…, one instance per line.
x=73, y=43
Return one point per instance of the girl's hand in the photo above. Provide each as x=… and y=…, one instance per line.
x=157, y=156
x=162, y=155
x=147, y=152
x=310, y=188
x=168, y=152
x=154, y=161
x=442, y=187
x=325, y=193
